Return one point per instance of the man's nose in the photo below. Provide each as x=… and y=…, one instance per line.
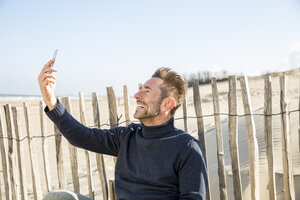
x=137, y=96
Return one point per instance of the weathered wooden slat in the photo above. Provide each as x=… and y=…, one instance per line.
x=45, y=154
x=198, y=111
x=140, y=86
x=269, y=136
x=113, y=113
x=252, y=141
x=73, y=152
x=219, y=139
x=200, y=124
x=99, y=157
x=184, y=109
x=96, y=110
x=10, y=146
x=126, y=104
x=59, y=157
x=3, y=161
x=87, y=154
x=299, y=120
x=286, y=143
x=112, y=191
x=233, y=138
x=20, y=155
x=0, y=193
x=35, y=176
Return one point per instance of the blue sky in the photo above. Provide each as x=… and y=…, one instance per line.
x=112, y=43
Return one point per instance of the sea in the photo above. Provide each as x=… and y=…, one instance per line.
x=18, y=97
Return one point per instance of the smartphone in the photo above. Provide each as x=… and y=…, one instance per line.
x=54, y=57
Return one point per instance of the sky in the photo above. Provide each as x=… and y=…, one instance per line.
x=116, y=43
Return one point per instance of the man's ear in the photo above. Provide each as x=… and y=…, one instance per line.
x=169, y=103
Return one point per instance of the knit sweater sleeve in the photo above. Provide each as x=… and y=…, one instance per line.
x=192, y=173
x=92, y=139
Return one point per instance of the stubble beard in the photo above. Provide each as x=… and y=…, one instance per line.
x=148, y=113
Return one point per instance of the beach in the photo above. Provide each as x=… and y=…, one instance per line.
x=256, y=87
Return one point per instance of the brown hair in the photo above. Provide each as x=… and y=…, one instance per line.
x=174, y=86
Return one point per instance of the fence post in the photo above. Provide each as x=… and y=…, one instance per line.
x=3, y=160
x=299, y=122
x=11, y=158
x=35, y=176
x=269, y=136
x=59, y=157
x=126, y=104
x=200, y=124
x=99, y=157
x=252, y=141
x=233, y=138
x=184, y=109
x=286, y=143
x=87, y=154
x=20, y=155
x=45, y=154
x=113, y=114
x=73, y=151
x=140, y=85
x=219, y=139
x=0, y=193
x=112, y=190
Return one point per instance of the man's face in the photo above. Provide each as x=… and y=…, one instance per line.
x=148, y=99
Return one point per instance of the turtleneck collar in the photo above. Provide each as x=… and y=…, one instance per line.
x=158, y=131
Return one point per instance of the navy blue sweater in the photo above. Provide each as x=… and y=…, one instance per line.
x=154, y=162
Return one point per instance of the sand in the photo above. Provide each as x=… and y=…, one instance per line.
x=256, y=85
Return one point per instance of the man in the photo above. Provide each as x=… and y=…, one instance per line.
x=155, y=160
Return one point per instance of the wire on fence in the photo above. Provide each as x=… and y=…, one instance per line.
x=179, y=118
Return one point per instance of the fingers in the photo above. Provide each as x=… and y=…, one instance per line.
x=50, y=69
x=47, y=78
x=49, y=63
x=48, y=81
x=47, y=68
x=46, y=75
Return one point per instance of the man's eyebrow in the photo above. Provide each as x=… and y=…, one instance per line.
x=147, y=87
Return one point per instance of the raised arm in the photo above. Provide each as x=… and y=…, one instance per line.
x=105, y=141
x=97, y=140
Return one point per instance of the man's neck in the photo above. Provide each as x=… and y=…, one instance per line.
x=155, y=121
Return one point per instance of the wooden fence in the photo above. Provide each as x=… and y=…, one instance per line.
x=12, y=145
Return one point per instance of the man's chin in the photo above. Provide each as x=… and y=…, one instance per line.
x=142, y=115
x=137, y=116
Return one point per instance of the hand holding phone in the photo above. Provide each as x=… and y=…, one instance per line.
x=47, y=83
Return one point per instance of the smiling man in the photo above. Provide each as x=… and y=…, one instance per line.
x=155, y=159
